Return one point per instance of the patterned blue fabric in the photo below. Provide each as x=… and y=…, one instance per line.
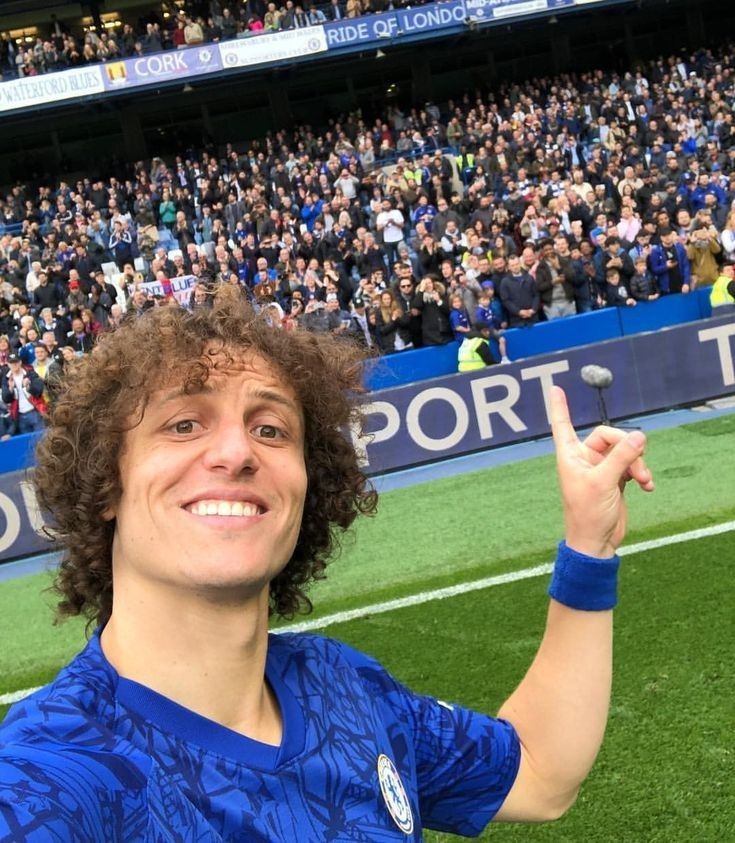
x=95, y=757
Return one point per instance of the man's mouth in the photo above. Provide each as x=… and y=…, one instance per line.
x=236, y=509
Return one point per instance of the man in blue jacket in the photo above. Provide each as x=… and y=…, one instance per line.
x=670, y=264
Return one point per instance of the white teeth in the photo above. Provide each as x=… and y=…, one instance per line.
x=229, y=508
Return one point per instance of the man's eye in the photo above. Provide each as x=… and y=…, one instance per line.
x=184, y=426
x=269, y=431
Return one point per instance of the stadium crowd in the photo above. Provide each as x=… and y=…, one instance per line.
x=195, y=23
x=536, y=202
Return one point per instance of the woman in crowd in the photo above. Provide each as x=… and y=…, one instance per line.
x=482, y=230
x=388, y=315
x=431, y=302
x=167, y=210
x=91, y=325
x=5, y=349
x=353, y=8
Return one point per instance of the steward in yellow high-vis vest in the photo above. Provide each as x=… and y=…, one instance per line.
x=465, y=161
x=723, y=290
x=474, y=352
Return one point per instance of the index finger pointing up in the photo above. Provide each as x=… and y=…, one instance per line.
x=561, y=424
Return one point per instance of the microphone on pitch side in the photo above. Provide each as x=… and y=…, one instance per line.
x=599, y=378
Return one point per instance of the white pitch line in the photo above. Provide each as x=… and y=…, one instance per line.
x=17, y=696
x=488, y=582
x=454, y=590
x=417, y=599
x=678, y=538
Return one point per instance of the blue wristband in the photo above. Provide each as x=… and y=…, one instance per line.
x=584, y=582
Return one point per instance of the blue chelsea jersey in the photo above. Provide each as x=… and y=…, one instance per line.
x=96, y=757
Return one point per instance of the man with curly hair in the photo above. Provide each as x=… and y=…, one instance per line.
x=198, y=493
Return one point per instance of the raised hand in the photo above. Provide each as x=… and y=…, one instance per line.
x=592, y=478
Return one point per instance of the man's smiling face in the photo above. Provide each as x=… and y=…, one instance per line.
x=213, y=486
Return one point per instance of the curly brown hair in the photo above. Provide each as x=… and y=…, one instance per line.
x=105, y=394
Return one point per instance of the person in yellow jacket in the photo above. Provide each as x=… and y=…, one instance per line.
x=723, y=290
x=474, y=352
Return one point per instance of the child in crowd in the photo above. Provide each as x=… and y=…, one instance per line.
x=617, y=293
x=643, y=286
x=489, y=310
x=459, y=318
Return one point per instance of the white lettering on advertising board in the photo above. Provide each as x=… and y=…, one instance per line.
x=263, y=49
x=37, y=90
x=452, y=405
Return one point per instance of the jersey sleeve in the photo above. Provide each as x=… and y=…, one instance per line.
x=47, y=795
x=466, y=762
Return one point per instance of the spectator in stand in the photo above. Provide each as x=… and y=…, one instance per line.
x=388, y=316
x=459, y=318
x=354, y=8
x=151, y=41
x=315, y=15
x=193, y=32
x=702, y=250
x=444, y=215
x=555, y=282
x=430, y=256
x=390, y=223
x=80, y=338
x=22, y=394
x=628, y=225
x=120, y=244
x=431, y=303
x=361, y=327
x=728, y=238
x=617, y=293
x=410, y=323
x=41, y=367
x=318, y=319
x=424, y=212
x=489, y=308
x=614, y=257
x=519, y=295
x=46, y=295
x=670, y=265
x=643, y=285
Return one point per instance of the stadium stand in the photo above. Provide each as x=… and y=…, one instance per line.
x=538, y=203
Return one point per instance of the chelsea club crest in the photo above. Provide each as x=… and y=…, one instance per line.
x=394, y=794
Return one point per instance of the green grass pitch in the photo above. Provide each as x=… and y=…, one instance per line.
x=666, y=769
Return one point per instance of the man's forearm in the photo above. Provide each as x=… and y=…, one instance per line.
x=560, y=707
